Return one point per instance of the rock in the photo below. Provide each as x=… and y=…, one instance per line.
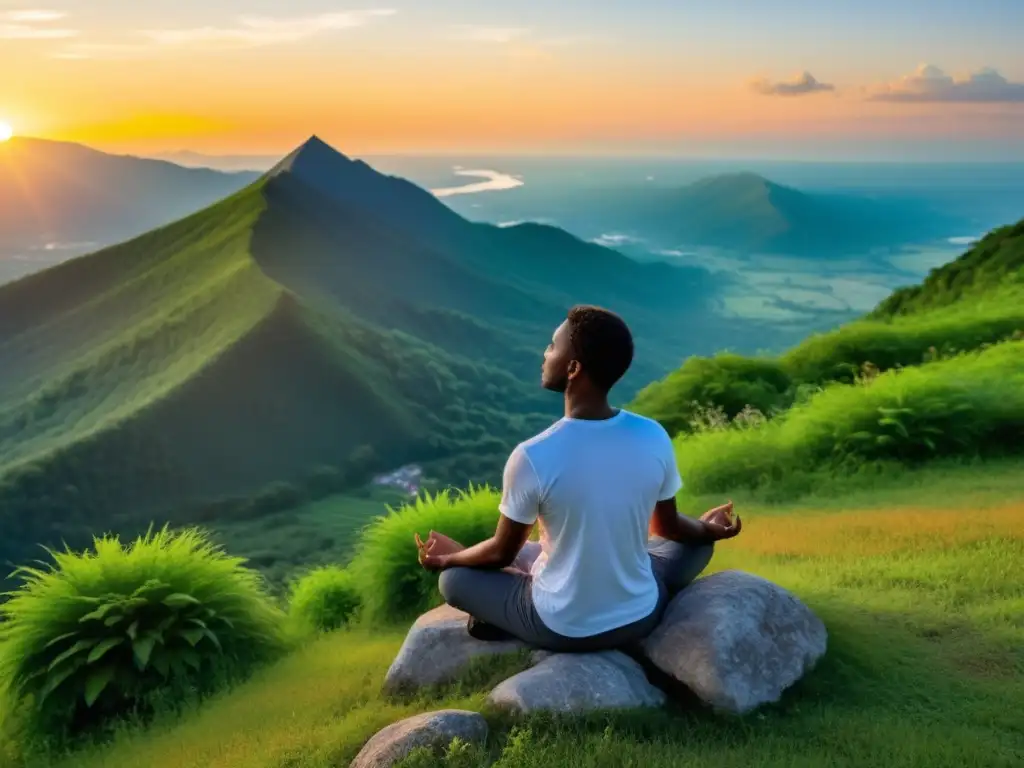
x=574, y=683
x=436, y=649
x=394, y=743
x=736, y=640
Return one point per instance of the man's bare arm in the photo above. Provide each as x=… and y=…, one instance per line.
x=496, y=552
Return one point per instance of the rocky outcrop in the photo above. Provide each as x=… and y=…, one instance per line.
x=433, y=729
x=736, y=640
x=437, y=649
x=578, y=683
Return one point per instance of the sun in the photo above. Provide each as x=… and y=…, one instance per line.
x=6, y=132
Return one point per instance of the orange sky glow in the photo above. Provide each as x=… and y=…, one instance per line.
x=373, y=85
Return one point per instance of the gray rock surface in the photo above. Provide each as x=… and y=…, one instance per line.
x=736, y=640
x=394, y=743
x=436, y=649
x=574, y=683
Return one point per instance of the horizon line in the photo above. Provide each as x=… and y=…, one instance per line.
x=166, y=155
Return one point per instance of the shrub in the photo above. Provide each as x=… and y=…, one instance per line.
x=392, y=584
x=325, y=598
x=121, y=629
x=839, y=355
x=727, y=382
x=971, y=405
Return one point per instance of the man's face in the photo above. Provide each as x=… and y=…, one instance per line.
x=559, y=365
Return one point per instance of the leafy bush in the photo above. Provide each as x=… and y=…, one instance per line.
x=727, y=381
x=840, y=354
x=325, y=598
x=392, y=584
x=118, y=630
x=971, y=405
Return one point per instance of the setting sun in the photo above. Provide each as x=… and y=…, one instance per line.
x=6, y=132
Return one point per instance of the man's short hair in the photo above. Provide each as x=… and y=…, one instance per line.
x=602, y=343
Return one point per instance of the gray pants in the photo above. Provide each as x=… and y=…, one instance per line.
x=504, y=599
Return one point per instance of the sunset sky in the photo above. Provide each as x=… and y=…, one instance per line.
x=870, y=78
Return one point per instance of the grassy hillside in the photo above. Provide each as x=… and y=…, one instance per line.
x=888, y=496
x=968, y=305
x=324, y=323
x=994, y=265
x=172, y=370
x=917, y=580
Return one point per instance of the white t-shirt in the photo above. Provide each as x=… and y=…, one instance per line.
x=593, y=486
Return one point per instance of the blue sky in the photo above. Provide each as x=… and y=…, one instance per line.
x=521, y=74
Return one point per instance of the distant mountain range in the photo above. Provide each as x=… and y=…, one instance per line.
x=61, y=197
x=325, y=321
x=747, y=214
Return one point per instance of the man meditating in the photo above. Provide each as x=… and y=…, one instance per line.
x=598, y=482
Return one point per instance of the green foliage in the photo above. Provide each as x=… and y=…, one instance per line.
x=994, y=263
x=393, y=585
x=971, y=304
x=729, y=381
x=458, y=754
x=325, y=598
x=968, y=406
x=120, y=629
x=841, y=354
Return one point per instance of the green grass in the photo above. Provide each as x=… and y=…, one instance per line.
x=995, y=264
x=968, y=406
x=918, y=581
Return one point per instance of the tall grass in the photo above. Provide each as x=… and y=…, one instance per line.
x=925, y=665
x=968, y=406
x=324, y=599
x=392, y=584
x=123, y=630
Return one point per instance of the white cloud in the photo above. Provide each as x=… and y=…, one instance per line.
x=801, y=85
x=253, y=31
x=484, y=34
x=33, y=16
x=928, y=83
x=616, y=239
x=26, y=32
x=25, y=25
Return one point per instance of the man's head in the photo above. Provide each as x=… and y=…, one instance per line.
x=593, y=347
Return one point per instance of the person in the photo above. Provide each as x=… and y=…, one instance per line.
x=600, y=484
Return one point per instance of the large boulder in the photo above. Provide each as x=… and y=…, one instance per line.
x=575, y=683
x=736, y=640
x=437, y=648
x=433, y=729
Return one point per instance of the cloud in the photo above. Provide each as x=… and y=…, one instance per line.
x=928, y=83
x=33, y=16
x=25, y=25
x=483, y=34
x=254, y=31
x=801, y=85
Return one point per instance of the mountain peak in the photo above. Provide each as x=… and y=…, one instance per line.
x=734, y=181
x=314, y=152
